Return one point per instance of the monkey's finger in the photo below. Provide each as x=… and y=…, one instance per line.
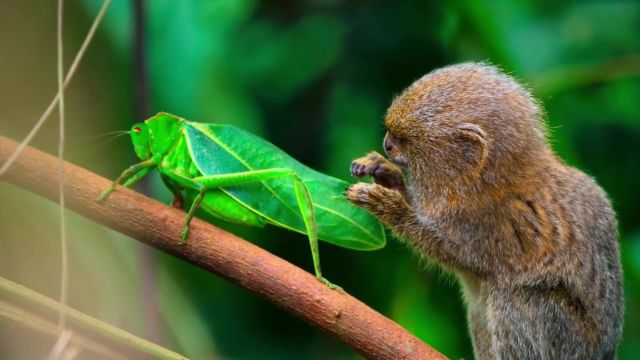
x=352, y=168
x=378, y=171
x=358, y=169
x=358, y=193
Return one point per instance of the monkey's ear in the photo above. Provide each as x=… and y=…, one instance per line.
x=473, y=141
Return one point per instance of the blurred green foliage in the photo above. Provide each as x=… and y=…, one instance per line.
x=315, y=78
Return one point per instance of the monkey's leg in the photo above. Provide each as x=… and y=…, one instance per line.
x=529, y=323
x=382, y=170
x=480, y=335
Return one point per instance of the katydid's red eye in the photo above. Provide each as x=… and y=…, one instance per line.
x=137, y=129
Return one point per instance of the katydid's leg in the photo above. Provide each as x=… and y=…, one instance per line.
x=303, y=198
x=307, y=210
x=190, y=184
x=130, y=176
x=190, y=214
x=136, y=177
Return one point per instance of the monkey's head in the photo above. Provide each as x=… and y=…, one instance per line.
x=463, y=122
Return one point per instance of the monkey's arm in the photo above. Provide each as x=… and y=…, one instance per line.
x=392, y=209
x=382, y=170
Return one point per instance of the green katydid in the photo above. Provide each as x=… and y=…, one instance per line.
x=234, y=175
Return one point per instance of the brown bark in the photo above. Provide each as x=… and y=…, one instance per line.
x=285, y=285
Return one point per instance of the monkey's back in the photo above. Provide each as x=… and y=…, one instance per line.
x=567, y=303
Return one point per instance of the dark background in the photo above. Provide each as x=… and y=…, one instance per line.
x=314, y=77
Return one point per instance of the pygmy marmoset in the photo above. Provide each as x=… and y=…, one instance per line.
x=474, y=185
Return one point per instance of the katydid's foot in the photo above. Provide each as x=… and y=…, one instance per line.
x=105, y=194
x=184, y=235
x=330, y=285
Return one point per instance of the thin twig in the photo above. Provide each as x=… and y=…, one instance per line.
x=15, y=315
x=85, y=322
x=72, y=70
x=220, y=252
x=64, y=271
x=60, y=347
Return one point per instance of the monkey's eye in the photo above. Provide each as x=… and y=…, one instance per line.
x=398, y=139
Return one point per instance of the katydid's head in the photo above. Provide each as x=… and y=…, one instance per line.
x=156, y=136
x=140, y=140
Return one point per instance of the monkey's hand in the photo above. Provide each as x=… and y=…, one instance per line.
x=382, y=170
x=386, y=204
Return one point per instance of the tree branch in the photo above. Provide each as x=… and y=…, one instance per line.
x=217, y=251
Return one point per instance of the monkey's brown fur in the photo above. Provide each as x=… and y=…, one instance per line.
x=532, y=240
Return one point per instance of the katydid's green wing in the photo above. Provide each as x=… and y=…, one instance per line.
x=224, y=149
